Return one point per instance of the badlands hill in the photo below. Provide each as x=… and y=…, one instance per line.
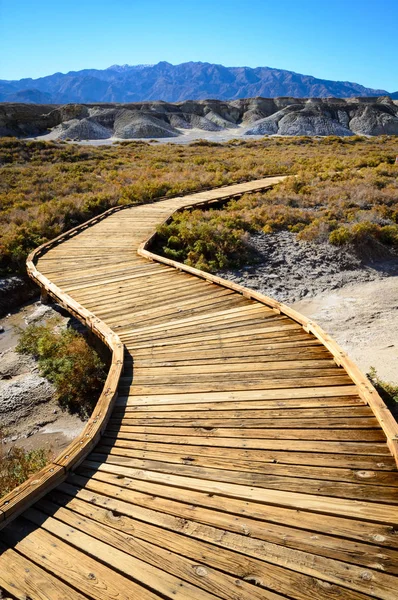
x=253, y=116
x=175, y=83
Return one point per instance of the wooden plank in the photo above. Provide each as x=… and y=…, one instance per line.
x=287, y=481
x=288, y=433
x=243, y=313
x=257, y=343
x=257, y=348
x=302, y=419
x=202, y=575
x=144, y=377
x=243, y=395
x=234, y=360
x=239, y=402
x=227, y=368
x=215, y=509
x=367, y=511
x=270, y=332
x=294, y=383
x=286, y=456
x=143, y=458
x=295, y=445
x=23, y=579
x=350, y=411
x=145, y=523
x=213, y=580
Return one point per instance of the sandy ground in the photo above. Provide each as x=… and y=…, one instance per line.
x=187, y=137
x=29, y=413
x=363, y=319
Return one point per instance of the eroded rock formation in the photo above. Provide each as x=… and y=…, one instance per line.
x=250, y=116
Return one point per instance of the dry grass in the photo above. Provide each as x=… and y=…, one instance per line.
x=346, y=193
x=17, y=465
x=49, y=187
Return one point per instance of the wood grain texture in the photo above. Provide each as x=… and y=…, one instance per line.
x=234, y=453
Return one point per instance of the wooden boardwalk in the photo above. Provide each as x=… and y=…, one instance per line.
x=240, y=462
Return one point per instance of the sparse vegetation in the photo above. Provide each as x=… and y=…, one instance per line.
x=16, y=465
x=388, y=391
x=65, y=359
x=49, y=187
x=345, y=194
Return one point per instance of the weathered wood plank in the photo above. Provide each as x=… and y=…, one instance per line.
x=245, y=456
x=22, y=579
x=193, y=504
x=367, y=511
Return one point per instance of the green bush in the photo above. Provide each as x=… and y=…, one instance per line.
x=340, y=236
x=208, y=241
x=365, y=231
x=389, y=235
x=17, y=465
x=65, y=359
x=388, y=391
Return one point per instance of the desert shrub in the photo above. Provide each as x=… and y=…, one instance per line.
x=364, y=231
x=340, y=236
x=345, y=192
x=17, y=465
x=317, y=230
x=203, y=143
x=388, y=391
x=389, y=235
x=49, y=187
x=212, y=242
x=65, y=359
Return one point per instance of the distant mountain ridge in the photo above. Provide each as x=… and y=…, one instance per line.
x=176, y=83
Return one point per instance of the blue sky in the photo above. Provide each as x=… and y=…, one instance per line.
x=346, y=40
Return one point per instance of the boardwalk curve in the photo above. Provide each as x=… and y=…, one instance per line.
x=236, y=452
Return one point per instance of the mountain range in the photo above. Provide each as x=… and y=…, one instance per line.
x=176, y=83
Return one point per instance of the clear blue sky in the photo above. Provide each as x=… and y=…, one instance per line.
x=346, y=40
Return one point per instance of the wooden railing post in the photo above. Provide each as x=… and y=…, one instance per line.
x=44, y=297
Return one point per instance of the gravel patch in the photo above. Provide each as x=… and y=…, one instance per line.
x=290, y=270
x=21, y=394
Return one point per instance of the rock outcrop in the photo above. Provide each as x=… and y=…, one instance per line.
x=249, y=116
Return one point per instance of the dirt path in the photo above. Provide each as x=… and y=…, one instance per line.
x=363, y=319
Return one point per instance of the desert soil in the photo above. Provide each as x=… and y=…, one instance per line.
x=29, y=413
x=356, y=302
x=363, y=319
x=187, y=137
